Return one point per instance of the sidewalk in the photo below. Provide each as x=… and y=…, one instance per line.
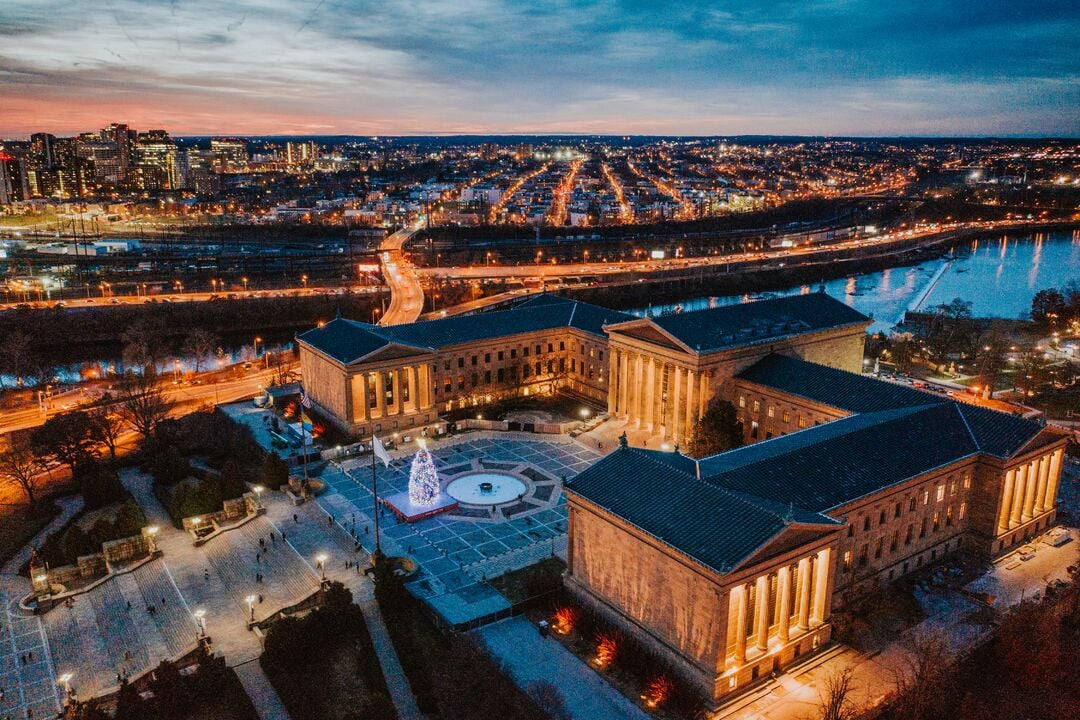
x=69, y=506
x=263, y=696
x=530, y=658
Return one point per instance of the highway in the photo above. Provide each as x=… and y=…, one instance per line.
x=406, y=294
x=109, y=299
x=184, y=397
x=542, y=270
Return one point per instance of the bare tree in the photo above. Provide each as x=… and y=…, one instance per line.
x=108, y=426
x=200, y=344
x=142, y=403
x=16, y=355
x=836, y=702
x=144, y=344
x=921, y=682
x=21, y=466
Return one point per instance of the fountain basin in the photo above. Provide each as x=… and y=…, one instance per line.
x=486, y=488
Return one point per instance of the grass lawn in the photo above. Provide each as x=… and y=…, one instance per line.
x=539, y=579
x=20, y=526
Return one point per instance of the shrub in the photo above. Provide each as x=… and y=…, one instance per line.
x=100, y=485
x=101, y=531
x=232, y=481
x=130, y=520
x=77, y=543
x=275, y=471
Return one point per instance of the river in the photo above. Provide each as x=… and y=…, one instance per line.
x=997, y=275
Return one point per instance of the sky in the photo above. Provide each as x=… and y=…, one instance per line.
x=417, y=67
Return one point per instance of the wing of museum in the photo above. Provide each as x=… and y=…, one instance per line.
x=730, y=565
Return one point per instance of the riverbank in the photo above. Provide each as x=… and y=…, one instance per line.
x=637, y=290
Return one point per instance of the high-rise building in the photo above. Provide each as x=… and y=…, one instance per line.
x=106, y=159
x=10, y=179
x=197, y=171
x=298, y=154
x=230, y=155
x=156, y=166
x=124, y=138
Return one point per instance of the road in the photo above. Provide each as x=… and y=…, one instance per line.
x=109, y=299
x=406, y=294
x=541, y=270
x=183, y=397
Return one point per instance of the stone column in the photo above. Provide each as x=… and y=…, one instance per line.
x=1040, y=490
x=395, y=378
x=783, y=587
x=649, y=393
x=740, y=597
x=360, y=398
x=703, y=399
x=1028, y=510
x=691, y=416
x=761, y=611
x=639, y=390
x=1006, y=500
x=821, y=584
x=350, y=411
x=380, y=393
x=804, y=593
x=612, y=384
x=410, y=374
x=675, y=403
x=1018, y=496
x=1050, y=499
x=624, y=383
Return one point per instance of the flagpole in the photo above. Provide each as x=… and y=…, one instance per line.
x=375, y=492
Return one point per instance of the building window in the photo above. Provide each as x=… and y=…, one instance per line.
x=487, y=377
x=864, y=558
x=925, y=497
x=500, y=376
x=851, y=531
x=373, y=392
x=895, y=541
x=922, y=529
x=963, y=510
x=967, y=480
x=500, y=355
x=787, y=416
x=847, y=561
x=772, y=411
x=948, y=516
x=802, y=421
x=937, y=521
x=460, y=382
x=601, y=355
x=448, y=386
x=866, y=523
x=896, y=510
x=908, y=534
x=474, y=360
x=551, y=347
x=757, y=406
x=878, y=546
x=754, y=429
x=461, y=362
x=952, y=488
x=539, y=349
x=475, y=379
x=911, y=504
x=742, y=401
x=487, y=357
x=525, y=351
x=940, y=492
x=562, y=346
x=881, y=518
x=525, y=371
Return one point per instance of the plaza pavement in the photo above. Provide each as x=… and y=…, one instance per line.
x=25, y=687
x=531, y=658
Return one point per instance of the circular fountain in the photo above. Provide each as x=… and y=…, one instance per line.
x=486, y=488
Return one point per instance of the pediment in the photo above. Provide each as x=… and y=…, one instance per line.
x=647, y=332
x=788, y=539
x=392, y=351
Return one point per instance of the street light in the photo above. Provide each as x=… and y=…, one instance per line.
x=258, y=493
x=200, y=621
x=303, y=279
x=65, y=681
x=320, y=561
x=251, y=605
x=255, y=345
x=245, y=281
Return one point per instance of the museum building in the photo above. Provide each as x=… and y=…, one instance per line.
x=729, y=566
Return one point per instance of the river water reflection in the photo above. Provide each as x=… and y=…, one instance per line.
x=997, y=275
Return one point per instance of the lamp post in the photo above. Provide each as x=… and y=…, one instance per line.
x=65, y=682
x=258, y=495
x=320, y=562
x=245, y=281
x=255, y=345
x=200, y=622
x=251, y=605
x=151, y=543
x=196, y=521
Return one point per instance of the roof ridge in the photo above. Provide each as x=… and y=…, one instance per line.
x=572, y=311
x=967, y=426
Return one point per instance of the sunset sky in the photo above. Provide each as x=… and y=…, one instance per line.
x=862, y=67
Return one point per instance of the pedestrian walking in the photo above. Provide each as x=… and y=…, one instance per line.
x=206, y=574
x=262, y=543
x=256, y=557
x=295, y=518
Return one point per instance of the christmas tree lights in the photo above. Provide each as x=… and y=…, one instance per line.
x=423, y=480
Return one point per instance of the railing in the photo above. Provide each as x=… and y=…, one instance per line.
x=516, y=559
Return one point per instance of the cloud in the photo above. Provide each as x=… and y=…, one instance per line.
x=411, y=66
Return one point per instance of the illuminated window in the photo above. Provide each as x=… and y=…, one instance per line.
x=940, y=492
x=742, y=401
x=787, y=416
x=847, y=561
x=772, y=411
x=757, y=406
x=963, y=510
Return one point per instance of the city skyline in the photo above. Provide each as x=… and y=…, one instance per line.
x=841, y=68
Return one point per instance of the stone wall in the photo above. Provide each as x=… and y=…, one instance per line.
x=125, y=549
x=678, y=605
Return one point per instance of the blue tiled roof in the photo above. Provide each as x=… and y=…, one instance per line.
x=349, y=340
x=760, y=321
x=654, y=491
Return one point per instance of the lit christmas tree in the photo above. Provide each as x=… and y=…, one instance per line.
x=423, y=481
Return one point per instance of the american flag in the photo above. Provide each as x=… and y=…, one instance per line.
x=304, y=399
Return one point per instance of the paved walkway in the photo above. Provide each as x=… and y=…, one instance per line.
x=530, y=658
x=263, y=696
x=396, y=682
x=69, y=506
